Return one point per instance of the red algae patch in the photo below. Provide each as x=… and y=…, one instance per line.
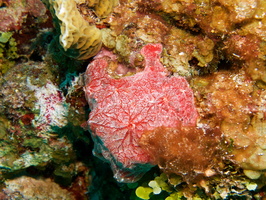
x=122, y=109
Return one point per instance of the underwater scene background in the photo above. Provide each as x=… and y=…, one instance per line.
x=132, y=99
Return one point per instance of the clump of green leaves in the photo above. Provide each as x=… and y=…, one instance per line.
x=8, y=51
x=161, y=187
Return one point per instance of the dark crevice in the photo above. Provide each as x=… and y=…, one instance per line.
x=224, y=65
x=3, y=5
x=36, y=56
x=193, y=62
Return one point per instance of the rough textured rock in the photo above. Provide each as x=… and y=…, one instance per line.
x=232, y=101
x=29, y=188
x=14, y=13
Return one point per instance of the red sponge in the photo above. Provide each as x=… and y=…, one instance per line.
x=122, y=109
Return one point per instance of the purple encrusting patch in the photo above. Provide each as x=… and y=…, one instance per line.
x=123, y=108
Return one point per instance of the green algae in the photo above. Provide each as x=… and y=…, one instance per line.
x=143, y=192
x=8, y=51
x=5, y=36
x=33, y=142
x=108, y=38
x=122, y=46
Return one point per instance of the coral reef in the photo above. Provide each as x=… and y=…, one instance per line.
x=52, y=107
x=104, y=7
x=39, y=124
x=141, y=26
x=40, y=97
x=232, y=101
x=171, y=187
x=215, y=17
x=8, y=51
x=34, y=112
x=223, y=41
x=155, y=56
x=14, y=13
x=123, y=108
x=30, y=188
x=79, y=39
x=195, y=35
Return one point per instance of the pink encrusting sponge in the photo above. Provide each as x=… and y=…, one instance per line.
x=122, y=109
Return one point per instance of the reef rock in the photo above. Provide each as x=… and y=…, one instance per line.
x=123, y=108
x=29, y=188
x=14, y=13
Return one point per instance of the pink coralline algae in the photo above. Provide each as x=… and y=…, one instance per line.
x=52, y=107
x=122, y=109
